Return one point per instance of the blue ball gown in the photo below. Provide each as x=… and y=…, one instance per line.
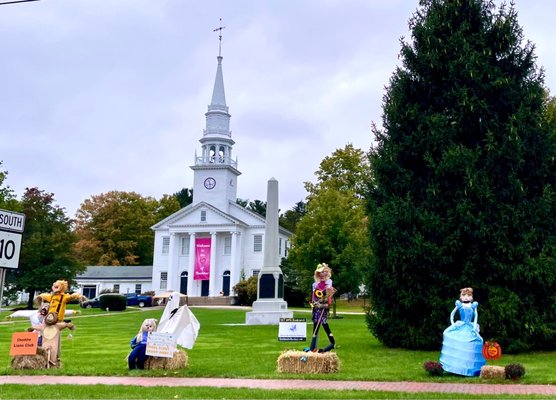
x=462, y=345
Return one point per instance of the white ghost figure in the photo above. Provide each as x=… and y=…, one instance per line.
x=179, y=321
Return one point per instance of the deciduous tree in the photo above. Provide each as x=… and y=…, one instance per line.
x=114, y=228
x=334, y=228
x=46, y=249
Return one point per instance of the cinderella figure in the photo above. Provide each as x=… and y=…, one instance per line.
x=462, y=345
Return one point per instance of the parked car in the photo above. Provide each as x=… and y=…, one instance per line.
x=91, y=303
x=117, y=302
x=139, y=300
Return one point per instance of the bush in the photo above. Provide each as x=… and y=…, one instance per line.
x=514, y=371
x=113, y=302
x=295, y=298
x=433, y=368
x=246, y=291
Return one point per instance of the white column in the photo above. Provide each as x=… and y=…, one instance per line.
x=191, y=265
x=212, y=277
x=233, y=262
x=172, y=263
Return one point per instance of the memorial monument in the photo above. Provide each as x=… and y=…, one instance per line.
x=270, y=305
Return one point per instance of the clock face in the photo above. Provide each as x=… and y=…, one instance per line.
x=210, y=183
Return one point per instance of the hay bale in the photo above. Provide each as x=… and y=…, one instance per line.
x=300, y=362
x=178, y=361
x=492, y=372
x=35, y=361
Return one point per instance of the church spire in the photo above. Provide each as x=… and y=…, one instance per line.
x=217, y=139
x=218, y=95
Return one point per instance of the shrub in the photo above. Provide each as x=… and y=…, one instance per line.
x=514, y=371
x=433, y=368
x=113, y=302
x=246, y=291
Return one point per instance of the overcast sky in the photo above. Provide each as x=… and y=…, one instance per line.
x=101, y=95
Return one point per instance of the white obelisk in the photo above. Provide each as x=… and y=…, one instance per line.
x=270, y=305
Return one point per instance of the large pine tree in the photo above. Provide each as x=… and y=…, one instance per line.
x=464, y=183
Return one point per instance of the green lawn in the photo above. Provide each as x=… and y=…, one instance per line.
x=227, y=348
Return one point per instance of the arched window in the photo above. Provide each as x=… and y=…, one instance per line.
x=221, y=154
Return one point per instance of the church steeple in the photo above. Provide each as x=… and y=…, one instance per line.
x=215, y=170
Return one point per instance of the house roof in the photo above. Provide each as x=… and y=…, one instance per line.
x=118, y=272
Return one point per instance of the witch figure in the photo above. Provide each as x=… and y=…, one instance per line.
x=462, y=345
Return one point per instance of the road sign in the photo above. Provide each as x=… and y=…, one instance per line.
x=11, y=221
x=11, y=228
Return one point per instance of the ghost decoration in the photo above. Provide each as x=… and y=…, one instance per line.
x=179, y=321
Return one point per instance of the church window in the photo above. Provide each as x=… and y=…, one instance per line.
x=138, y=288
x=212, y=153
x=228, y=245
x=257, y=243
x=256, y=272
x=203, y=216
x=163, y=280
x=116, y=288
x=280, y=246
x=185, y=246
x=166, y=245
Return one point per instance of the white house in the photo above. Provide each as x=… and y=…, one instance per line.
x=206, y=248
x=95, y=279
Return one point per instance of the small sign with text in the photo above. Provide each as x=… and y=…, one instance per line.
x=292, y=330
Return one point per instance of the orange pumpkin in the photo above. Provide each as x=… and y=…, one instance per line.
x=492, y=351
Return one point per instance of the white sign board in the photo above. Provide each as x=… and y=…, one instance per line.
x=11, y=228
x=292, y=330
x=12, y=221
x=161, y=345
x=10, y=244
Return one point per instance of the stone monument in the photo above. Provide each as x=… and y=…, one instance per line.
x=270, y=305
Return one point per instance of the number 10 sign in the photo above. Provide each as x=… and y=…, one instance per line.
x=11, y=228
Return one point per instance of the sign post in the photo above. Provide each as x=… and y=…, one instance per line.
x=11, y=228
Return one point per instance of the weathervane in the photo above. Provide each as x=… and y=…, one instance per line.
x=219, y=38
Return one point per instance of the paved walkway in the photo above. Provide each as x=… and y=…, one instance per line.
x=277, y=384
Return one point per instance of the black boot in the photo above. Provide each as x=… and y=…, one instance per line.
x=330, y=346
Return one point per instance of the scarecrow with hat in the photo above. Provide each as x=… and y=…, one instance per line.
x=321, y=299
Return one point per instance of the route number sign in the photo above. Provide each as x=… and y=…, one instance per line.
x=11, y=228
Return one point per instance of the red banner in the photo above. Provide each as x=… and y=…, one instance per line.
x=202, y=259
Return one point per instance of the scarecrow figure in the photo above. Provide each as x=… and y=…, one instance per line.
x=321, y=299
x=59, y=298
x=137, y=357
x=50, y=330
x=462, y=345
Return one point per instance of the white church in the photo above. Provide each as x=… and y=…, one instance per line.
x=206, y=248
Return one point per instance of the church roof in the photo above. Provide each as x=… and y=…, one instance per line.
x=181, y=214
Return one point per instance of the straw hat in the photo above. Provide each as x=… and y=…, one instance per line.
x=323, y=267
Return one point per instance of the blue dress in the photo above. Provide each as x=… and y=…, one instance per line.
x=462, y=345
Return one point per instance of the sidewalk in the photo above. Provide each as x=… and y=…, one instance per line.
x=280, y=384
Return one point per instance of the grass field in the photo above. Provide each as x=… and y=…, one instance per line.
x=227, y=348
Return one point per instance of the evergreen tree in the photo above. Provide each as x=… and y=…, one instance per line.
x=464, y=183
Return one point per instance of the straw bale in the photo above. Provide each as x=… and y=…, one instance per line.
x=35, y=361
x=178, y=361
x=300, y=362
x=492, y=372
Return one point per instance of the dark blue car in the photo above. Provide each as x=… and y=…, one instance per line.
x=138, y=300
